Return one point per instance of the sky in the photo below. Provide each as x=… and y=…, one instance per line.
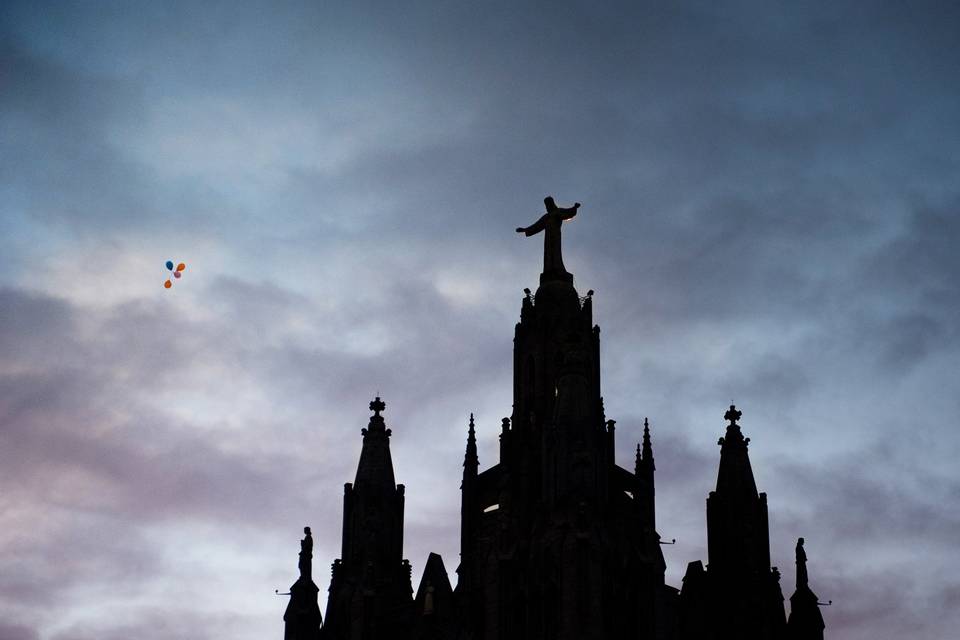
x=770, y=210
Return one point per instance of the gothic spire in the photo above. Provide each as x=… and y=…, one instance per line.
x=736, y=475
x=643, y=469
x=647, y=447
x=376, y=465
x=470, y=459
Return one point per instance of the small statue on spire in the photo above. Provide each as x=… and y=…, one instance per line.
x=550, y=223
x=802, y=578
x=306, y=554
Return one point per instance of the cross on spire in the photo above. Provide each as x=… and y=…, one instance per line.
x=377, y=405
x=732, y=414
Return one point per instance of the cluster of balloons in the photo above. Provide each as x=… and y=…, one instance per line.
x=176, y=274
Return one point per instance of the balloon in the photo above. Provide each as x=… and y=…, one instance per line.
x=170, y=265
x=181, y=267
x=167, y=284
x=176, y=274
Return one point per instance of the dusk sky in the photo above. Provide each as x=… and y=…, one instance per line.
x=770, y=216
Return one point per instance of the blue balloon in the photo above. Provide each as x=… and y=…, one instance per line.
x=169, y=265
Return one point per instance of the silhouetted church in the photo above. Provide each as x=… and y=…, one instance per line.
x=557, y=542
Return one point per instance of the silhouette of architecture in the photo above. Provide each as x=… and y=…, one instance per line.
x=370, y=589
x=557, y=541
x=739, y=593
x=806, y=621
x=302, y=618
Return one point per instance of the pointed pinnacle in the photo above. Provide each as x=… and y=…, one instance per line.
x=470, y=457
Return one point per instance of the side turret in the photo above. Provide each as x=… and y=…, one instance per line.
x=370, y=590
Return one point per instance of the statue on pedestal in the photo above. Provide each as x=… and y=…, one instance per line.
x=306, y=554
x=550, y=223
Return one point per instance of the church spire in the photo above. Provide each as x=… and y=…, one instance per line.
x=469, y=514
x=376, y=466
x=647, y=447
x=470, y=459
x=735, y=475
x=371, y=580
x=736, y=512
x=643, y=469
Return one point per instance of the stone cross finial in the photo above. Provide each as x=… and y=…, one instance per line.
x=732, y=415
x=377, y=405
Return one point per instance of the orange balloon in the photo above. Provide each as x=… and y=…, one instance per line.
x=167, y=284
x=181, y=267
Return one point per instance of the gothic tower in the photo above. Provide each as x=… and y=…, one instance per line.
x=738, y=596
x=557, y=541
x=370, y=593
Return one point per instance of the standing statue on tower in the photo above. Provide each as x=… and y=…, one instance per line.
x=306, y=555
x=302, y=618
x=802, y=578
x=550, y=223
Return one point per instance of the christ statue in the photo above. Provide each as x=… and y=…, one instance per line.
x=550, y=223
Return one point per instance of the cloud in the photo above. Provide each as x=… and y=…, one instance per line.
x=17, y=632
x=768, y=216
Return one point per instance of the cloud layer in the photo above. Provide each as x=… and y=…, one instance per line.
x=770, y=210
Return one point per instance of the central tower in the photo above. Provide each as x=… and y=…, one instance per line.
x=557, y=541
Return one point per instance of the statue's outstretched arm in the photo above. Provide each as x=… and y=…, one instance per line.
x=536, y=227
x=569, y=212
